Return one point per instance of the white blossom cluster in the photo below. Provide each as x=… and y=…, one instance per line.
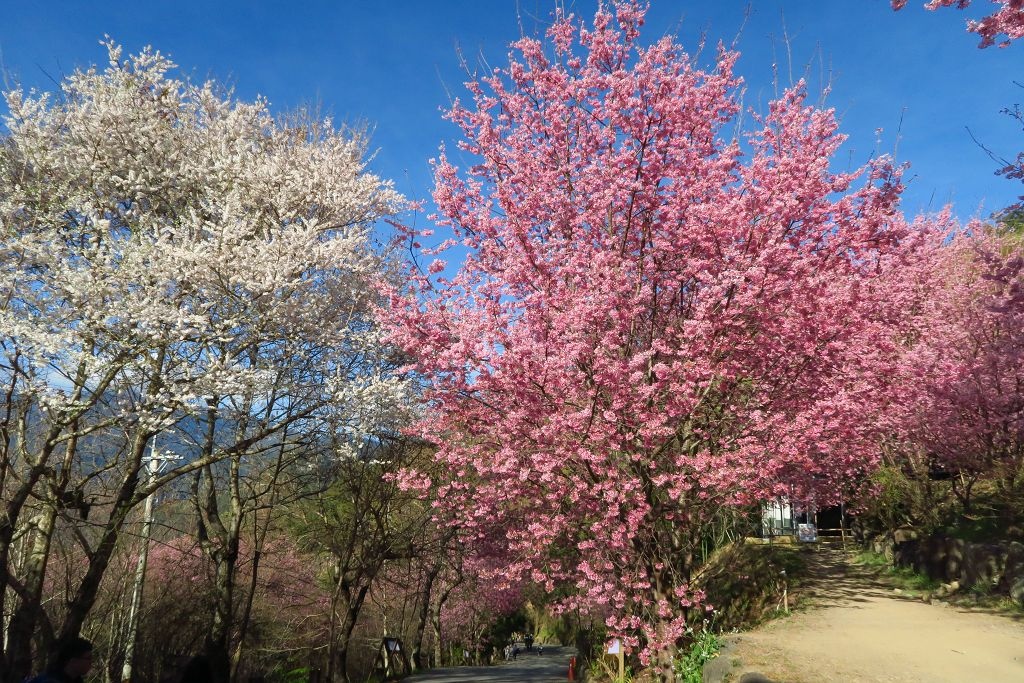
x=187, y=245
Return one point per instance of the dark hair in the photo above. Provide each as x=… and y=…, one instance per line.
x=68, y=650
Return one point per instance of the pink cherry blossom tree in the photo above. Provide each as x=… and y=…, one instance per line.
x=961, y=377
x=476, y=598
x=1007, y=21
x=657, y=315
x=289, y=608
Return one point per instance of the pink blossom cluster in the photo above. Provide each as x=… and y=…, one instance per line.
x=959, y=386
x=1007, y=21
x=482, y=594
x=287, y=583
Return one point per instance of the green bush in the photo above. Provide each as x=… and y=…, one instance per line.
x=299, y=675
x=690, y=665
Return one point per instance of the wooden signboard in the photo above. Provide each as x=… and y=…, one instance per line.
x=615, y=648
x=391, y=659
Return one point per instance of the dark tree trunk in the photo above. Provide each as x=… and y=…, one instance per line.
x=16, y=662
x=345, y=627
x=99, y=559
x=218, y=639
x=435, y=622
x=422, y=614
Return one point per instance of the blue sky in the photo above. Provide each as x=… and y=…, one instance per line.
x=394, y=65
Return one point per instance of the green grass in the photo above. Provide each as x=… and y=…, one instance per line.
x=913, y=581
x=916, y=585
x=995, y=516
x=904, y=578
x=743, y=581
x=601, y=669
x=866, y=558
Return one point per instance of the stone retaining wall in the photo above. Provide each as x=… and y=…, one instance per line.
x=995, y=567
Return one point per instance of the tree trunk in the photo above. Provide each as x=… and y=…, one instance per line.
x=963, y=491
x=422, y=614
x=26, y=616
x=435, y=624
x=99, y=560
x=348, y=623
x=243, y=626
x=8, y=522
x=218, y=639
x=219, y=543
x=19, y=635
x=332, y=634
x=259, y=540
x=13, y=508
x=664, y=593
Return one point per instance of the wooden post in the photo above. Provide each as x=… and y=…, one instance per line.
x=842, y=525
x=785, y=592
x=622, y=665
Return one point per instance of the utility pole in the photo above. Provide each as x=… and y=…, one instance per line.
x=153, y=465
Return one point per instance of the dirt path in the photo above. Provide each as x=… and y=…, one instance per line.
x=859, y=629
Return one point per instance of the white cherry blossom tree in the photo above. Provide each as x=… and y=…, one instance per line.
x=173, y=262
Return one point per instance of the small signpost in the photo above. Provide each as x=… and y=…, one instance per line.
x=391, y=659
x=807, y=533
x=615, y=648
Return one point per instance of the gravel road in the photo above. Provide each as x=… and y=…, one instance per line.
x=553, y=665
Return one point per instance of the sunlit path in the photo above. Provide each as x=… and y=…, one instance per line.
x=553, y=665
x=859, y=629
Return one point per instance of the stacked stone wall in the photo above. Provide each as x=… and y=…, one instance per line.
x=996, y=568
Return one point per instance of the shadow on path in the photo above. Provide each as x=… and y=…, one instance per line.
x=832, y=578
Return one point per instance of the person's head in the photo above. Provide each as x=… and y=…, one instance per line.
x=74, y=657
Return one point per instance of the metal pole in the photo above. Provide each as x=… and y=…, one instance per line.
x=152, y=466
